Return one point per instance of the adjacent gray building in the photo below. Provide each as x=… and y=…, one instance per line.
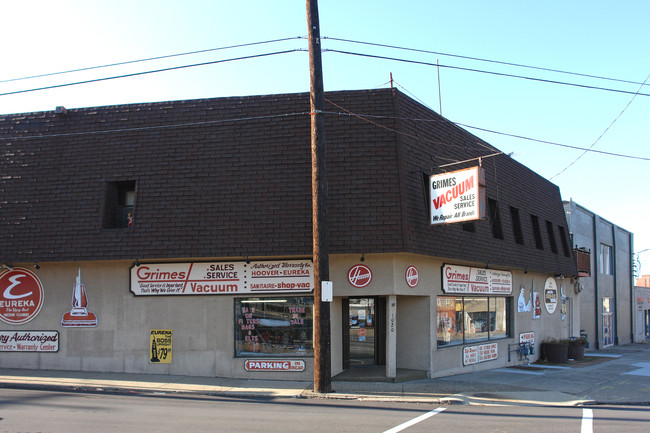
x=603, y=251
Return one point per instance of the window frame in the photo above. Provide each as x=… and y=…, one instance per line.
x=261, y=346
x=606, y=259
x=450, y=322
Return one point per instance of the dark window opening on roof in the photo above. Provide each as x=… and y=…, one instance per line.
x=516, y=225
x=119, y=204
x=495, y=219
x=565, y=243
x=551, y=236
x=537, y=232
x=427, y=195
x=469, y=227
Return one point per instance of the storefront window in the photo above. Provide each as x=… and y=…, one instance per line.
x=273, y=326
x=477, y=320
x=450, y=321
x=498, y=318
x=471, y=319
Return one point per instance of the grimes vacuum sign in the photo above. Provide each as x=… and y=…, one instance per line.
x=457, y=196
x=222, y=278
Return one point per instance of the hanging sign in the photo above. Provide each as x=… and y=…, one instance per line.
x=222, y=278
x=457, y=196
x=463, y=279
x=21, y=296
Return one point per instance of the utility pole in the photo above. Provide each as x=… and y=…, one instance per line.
x=322, y=340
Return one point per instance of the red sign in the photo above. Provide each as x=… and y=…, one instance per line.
x=412, y=276
x=21, y=296
x=359, y=275
x=274, y=365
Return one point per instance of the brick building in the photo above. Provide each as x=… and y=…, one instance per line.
x=184, y=228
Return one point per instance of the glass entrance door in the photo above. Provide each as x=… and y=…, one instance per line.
x=362, y=331
x=608, y=334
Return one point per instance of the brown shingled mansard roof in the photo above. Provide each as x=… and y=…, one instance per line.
x=231, y=177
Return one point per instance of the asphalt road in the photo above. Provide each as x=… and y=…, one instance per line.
x=70, y=412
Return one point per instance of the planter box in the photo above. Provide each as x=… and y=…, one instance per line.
x=576, y=352
x=556, y=353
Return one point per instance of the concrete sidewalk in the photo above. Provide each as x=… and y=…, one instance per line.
x=619, y=375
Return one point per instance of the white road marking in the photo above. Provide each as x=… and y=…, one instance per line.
x=587, y=421
x=415, y=420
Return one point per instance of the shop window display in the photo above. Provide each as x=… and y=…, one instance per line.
x=471, y=319
x=274, y=326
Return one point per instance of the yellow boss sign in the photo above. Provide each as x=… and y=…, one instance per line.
x=160, y=344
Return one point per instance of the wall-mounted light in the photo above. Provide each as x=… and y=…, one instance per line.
x=7, y=267
x=137, y=262
x=559, y=276
x=248, y=261
x=36, y=266
x=525, y=270
x=363, y=257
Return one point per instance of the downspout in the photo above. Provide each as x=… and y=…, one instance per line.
x=632, y=284
x=597, y=273
x=615, y=275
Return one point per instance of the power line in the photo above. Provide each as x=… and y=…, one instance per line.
x=601, y=135
x=128, y=62
x=396, y=59
x=554, y=143
x=149, y=72
x=519, y=65
x=528, y=138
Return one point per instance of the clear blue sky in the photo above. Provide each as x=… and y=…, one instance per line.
x=602, y=38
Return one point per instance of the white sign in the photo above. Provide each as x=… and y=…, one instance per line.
x=457, y=196
x=527, y=337
x=326, y=291
x=550, y=295
x=482, y=353
x=274, y=365
x=463, y=279
x=29, y=341
x=222, y=278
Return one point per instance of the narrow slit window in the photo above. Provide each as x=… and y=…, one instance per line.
x=516, y=225
x=537, y=232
